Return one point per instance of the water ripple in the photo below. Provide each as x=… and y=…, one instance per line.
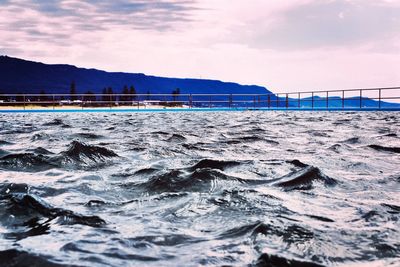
x=190, y=189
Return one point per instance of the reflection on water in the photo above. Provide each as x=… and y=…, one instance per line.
x=223, y=188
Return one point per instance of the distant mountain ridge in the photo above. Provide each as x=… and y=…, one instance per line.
x=22, y=76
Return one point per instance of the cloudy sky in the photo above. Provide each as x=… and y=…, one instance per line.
x=285, y=45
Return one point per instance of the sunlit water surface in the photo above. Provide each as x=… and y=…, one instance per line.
x=190, y=189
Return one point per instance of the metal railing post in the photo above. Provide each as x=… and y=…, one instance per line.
x=327, y=99
x=360, y=98
x=343, y=99
x=209, y=104
x=54, y=102
x=269, y=101
x=312, y=100
x=299, y=105
x=380, y=98
x=24, y=101
x=277, y=100
x=287, y=101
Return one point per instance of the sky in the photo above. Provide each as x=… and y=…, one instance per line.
x=284, y=45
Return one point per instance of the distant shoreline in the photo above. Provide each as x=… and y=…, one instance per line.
x=77, y=107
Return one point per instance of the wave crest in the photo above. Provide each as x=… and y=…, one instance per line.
x=26, y=162
x=35, y=213
x=303, y=179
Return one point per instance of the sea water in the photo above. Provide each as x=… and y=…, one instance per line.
x=193, y=189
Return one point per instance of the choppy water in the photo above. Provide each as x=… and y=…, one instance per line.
x=190, y=189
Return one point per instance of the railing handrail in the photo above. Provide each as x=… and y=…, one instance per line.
x=201, y=94
x=341, y=90
x=274, y=100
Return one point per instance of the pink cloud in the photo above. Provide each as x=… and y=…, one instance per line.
x=278, y=44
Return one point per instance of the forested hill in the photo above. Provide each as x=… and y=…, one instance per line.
x=21, y=76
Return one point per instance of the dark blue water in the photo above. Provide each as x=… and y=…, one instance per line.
x=193, y=189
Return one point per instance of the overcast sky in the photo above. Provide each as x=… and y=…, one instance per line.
x=284, y=45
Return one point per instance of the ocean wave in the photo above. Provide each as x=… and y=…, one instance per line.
x=42, y=160
x=40, y=136
x=214, y=164
x=196, y=146
x=391, y=135
x=267, y=260
x=55, y=122
x=243, y=139
x=3, y=142
x=392, y=208
x=30, y=209
x=20, y=130
x=81, y=155
x=146, y=171
x=303, y=179
x=176, y=138
x=385, y=148
x=17, y=258
x=199, y=180
x=352, y=141
x=88, y=136
x=26, y=162
x=3, y=152
x=250, y=229
x=297, y=163
x=320, y=218
x=167, y=240
x=41, y=151
x=160, y=133
x=78, y=151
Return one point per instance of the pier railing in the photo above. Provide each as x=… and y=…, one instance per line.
x=349, y=99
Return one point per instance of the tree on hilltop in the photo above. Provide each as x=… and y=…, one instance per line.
x=104, y=96
x=72, y=91
x=176, y=93
x=89, y=96
x=125, y=94
x=43, y=96
x=132, y=92
x=111, y=96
